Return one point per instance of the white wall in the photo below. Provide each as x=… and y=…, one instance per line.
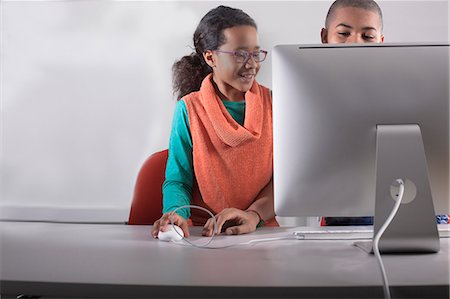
x=86, y=90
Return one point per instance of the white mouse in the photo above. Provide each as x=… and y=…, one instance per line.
x=170, y=234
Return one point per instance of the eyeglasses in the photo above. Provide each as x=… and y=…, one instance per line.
x=242, y=56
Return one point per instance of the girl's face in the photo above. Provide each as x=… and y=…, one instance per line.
x=235, y=64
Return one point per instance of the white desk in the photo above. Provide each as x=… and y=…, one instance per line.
x=84, y=260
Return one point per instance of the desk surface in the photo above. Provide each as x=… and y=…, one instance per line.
x=55, y=259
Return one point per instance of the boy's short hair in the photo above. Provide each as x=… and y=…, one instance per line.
x=369, y=5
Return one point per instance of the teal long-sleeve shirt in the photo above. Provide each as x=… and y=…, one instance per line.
x=177, y=187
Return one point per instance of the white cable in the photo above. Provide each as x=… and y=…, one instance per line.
x=377, y=237
x=206, y=245
x=186, y=240
x=251, y=242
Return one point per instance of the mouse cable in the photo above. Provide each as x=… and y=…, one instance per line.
x=376, y=239
x=206, y=245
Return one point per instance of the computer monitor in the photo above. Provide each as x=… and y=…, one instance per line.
x=350, y=119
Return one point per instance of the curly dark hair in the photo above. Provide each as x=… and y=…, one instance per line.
x=189, y=72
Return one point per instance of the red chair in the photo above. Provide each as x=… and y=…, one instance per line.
x=146, y=206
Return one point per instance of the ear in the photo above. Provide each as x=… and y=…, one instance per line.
x=324, y=35
x=208, y=55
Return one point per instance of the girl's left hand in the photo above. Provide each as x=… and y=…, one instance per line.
x=234, y=222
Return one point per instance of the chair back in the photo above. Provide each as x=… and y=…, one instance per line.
x=146, y=206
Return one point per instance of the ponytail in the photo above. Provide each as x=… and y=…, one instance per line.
x=188, y=74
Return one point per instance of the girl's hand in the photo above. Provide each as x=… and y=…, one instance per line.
x=233, y=221
x=162, y=224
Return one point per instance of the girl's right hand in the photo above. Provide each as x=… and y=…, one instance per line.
x=162, y=224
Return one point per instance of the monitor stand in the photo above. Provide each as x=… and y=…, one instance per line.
x=400, y=154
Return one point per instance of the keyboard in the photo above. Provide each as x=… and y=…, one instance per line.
x=349, y=232
x=335, y=233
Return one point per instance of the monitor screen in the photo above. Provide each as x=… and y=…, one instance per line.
x=329, y=102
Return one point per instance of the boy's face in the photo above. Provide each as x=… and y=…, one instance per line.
x=353, y=25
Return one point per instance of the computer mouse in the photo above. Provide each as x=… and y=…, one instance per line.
x=170, y=234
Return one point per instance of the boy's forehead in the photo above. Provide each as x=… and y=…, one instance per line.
x=354, y=15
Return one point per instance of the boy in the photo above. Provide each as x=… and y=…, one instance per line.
x=355, y=21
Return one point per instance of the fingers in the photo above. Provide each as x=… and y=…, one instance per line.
x=166, y=220
x=155, y=229
x=163, y=223
x=239, y=229
x=208, y=228
x=221, y=219
x=242, y=218
x=184, y=226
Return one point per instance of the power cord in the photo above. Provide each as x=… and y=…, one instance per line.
x=377, y=237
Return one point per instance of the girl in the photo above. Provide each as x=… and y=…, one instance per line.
x=222, y=130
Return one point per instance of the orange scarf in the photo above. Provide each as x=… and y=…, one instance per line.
x=232, y=163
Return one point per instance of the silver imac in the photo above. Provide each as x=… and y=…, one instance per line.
x=351, y=119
